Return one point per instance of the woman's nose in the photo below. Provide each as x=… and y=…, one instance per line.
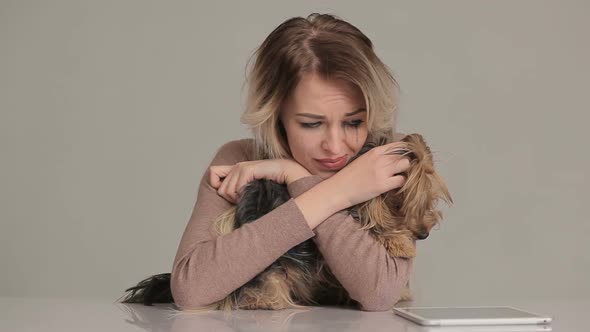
x=334, y=142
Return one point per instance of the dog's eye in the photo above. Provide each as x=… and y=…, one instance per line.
x=422, y=236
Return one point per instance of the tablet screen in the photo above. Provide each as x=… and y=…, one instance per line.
x=468, y=312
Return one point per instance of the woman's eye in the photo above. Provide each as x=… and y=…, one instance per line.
x=310, y=125
x=354, y=124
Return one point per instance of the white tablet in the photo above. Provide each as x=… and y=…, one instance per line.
x=444, y=316
x=481, y=328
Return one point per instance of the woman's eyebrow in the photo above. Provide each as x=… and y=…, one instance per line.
x=317, y=116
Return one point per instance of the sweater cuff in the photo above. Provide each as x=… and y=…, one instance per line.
x=303, y=184
x=298, y=228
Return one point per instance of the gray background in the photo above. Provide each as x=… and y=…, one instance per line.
x=110, y=112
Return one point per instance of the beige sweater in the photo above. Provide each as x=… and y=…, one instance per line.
x=208, y=267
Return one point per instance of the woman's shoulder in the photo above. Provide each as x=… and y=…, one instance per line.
x=234, y=151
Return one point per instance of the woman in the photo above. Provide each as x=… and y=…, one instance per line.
x=317, y=94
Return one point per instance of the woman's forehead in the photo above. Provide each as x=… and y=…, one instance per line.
x=316, y=87
x=315, y=94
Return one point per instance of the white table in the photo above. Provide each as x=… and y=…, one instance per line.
x=31, y=314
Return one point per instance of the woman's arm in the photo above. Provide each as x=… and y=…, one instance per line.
x=207, y=267
x=362, y=265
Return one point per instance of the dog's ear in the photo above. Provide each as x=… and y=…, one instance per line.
x=398, y=137
x=437, y=185
x=422, y=163
x=439, y=189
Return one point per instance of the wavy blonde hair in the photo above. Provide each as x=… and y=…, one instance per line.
x=330, y=47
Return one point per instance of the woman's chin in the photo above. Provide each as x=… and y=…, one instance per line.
x=322, y=173
x=325, y=174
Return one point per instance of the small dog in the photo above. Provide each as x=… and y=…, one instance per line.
x=300, y=277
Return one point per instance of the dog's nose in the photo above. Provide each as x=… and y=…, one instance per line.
x=422, y=236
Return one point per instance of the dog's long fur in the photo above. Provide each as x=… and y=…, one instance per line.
x=300, y=277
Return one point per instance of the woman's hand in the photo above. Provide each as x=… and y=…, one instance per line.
x=229, y=180
x=371, y=174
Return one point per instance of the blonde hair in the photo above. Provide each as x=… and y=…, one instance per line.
x=325, y=45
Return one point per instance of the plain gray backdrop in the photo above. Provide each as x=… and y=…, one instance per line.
x=110, y=112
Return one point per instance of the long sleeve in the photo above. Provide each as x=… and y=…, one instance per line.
x=207, y=267
x=362, y=265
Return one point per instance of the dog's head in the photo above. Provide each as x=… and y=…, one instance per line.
x=423, y=188
x=413, y=206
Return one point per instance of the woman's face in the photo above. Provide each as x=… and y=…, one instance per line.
x=324, y=120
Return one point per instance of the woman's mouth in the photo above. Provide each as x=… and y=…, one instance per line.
x=332, y=163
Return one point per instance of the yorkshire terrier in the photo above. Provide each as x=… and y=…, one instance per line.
x=300, y=276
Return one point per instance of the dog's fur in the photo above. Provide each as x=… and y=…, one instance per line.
x=300, y=277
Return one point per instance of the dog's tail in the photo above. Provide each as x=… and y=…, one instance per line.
x=155, y=289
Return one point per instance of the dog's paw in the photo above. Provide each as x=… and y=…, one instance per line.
x=401, y=246
x=406, y=294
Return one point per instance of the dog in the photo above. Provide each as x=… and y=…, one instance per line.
x=300, y=277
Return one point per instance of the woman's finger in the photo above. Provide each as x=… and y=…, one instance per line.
x=216, y=173
x=402, y=165
x=240, y=187
x=395, y=182
x=222, y=191
x=393, y=148
x=232, y=188
x=214, y=179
